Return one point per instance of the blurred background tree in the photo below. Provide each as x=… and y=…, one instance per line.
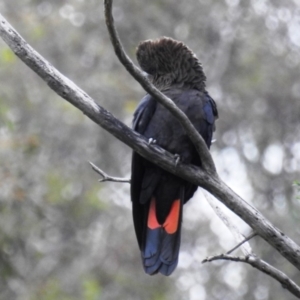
x=65, y=236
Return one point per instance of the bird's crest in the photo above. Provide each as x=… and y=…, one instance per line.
x=170, y=62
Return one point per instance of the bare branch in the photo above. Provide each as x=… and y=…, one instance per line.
x=77, y=97
x=206, y=159
x=73, y=94
x=239, y=237
x=262, y=266
x=242, y=243
x=106, y=177
x=226, y=192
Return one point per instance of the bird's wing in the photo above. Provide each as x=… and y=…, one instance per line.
x=141, y=119
x=143, y=114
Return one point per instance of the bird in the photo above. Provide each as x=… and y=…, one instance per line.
x=158, y=196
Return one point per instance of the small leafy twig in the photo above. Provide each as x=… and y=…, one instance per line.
x=262, y=266
x=106, y=177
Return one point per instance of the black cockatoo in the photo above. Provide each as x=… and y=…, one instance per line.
x=158, y=196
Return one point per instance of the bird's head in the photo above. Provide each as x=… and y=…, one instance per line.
x=170, y=62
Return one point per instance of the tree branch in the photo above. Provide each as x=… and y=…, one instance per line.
x=106, y=177
x=262, y=266
x=73, y=94
x=242, y=243
x=206, y=159
x=239, y=237
x=253, y=217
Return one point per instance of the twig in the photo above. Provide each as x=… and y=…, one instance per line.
x=239, y=237
x=206, y=159
x=262, y=266
x=249, y=237
x=106, y=177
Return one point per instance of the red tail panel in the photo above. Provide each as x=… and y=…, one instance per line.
x=172, y=221
x=152, y=220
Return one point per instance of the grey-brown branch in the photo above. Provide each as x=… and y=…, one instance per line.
x=73, y=94
x=212, y=184
x=249, y=237
x=262, y=266
x=207, y=161
x=106, y=177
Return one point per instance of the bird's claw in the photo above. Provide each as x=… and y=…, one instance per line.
x=177, y=159
x=151, y=141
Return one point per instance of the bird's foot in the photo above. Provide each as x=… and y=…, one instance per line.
x=151, y=141
x=177, y=158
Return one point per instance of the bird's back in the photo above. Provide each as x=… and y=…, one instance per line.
x=168, y=132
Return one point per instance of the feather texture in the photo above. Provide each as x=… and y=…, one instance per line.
x=158, y=196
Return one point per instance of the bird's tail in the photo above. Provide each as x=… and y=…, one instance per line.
x=161, y=247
